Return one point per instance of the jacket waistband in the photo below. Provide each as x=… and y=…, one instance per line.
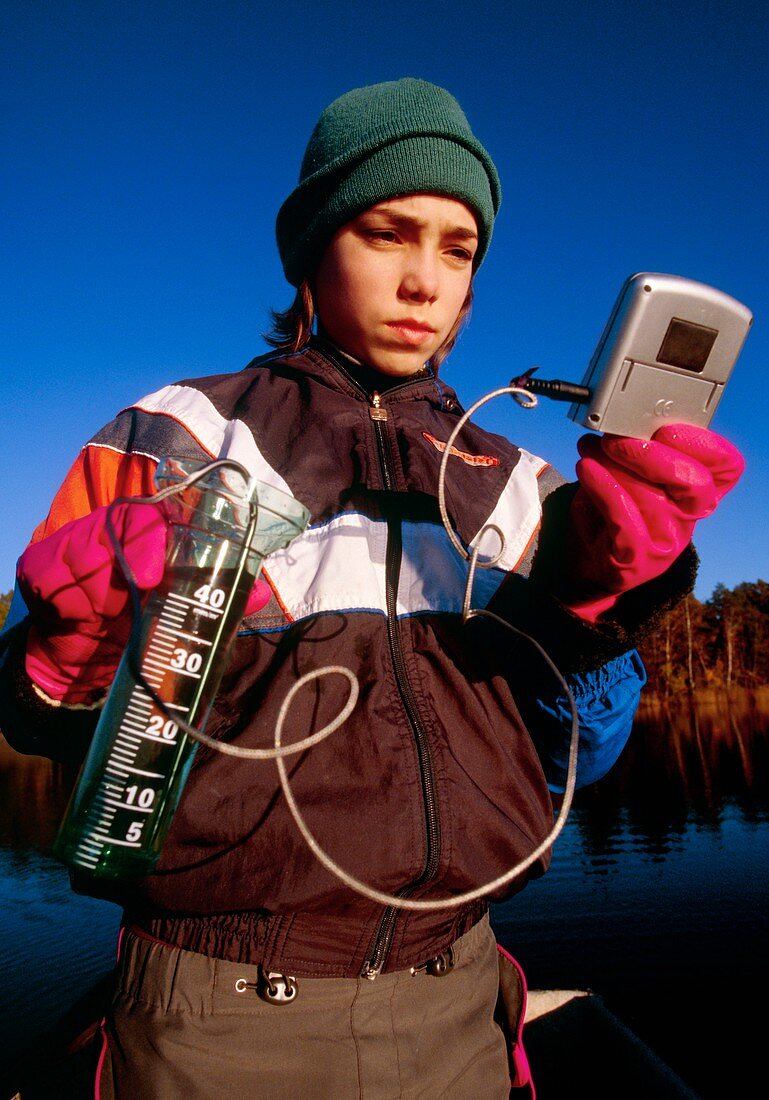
x=308, y=944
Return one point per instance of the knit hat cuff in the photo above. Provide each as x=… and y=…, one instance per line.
x=420, y=163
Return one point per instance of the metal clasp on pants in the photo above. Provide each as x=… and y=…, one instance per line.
x=438, y=967
x=270, y=986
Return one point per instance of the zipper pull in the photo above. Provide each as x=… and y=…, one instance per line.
x=371, y=972
x=377, y=411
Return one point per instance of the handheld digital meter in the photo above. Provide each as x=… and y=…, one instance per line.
x=665, y=356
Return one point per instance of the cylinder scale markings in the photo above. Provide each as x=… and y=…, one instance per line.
x=145, y=746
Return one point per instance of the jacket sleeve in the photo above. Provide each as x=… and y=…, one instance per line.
x=598, y=661
x=606, y=700
x=29, y=721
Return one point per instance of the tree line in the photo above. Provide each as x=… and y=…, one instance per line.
x=721, y=643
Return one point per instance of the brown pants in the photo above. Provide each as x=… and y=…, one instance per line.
x=187, y=1027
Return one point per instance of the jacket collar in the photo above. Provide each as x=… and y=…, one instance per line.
x=369, y=379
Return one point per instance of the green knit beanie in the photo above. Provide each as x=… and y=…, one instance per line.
x=403, y=137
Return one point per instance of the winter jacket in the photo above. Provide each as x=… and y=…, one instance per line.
x=438, y=781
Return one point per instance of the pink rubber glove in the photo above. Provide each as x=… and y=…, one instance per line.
x=637, y=505
x=79, y=603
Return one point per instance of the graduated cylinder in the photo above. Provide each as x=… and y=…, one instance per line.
x=222, y=527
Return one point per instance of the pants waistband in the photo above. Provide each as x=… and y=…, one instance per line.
x=175, y=979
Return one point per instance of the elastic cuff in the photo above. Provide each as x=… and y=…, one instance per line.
x=32, y=723
x=97, y=704
x=576, y=645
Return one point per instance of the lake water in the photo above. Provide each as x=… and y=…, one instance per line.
x=657, y=898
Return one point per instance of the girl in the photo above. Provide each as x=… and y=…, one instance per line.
x=246, y=966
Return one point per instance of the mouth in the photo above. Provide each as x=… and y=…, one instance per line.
x=414, y=333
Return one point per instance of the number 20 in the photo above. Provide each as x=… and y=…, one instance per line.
x=160, y=727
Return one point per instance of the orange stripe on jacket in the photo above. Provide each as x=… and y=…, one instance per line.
x=97, y=476
x=468, y=459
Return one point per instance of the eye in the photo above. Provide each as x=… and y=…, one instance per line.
x=381, y=234
x=463, y=255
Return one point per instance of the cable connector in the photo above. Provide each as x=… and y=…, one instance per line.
x=553, y=388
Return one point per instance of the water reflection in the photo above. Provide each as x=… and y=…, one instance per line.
x=657, y=896
x=33, y=795
x=686, y=761
x=53, y=944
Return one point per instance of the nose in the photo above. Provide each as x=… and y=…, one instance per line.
x=419, y=282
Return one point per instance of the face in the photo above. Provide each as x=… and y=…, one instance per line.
x=392, y=281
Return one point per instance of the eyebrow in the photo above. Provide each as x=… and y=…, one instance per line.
x=409, y=221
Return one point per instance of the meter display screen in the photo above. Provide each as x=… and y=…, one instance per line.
x=687, y=345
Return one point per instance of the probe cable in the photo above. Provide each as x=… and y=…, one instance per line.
x=527, y=400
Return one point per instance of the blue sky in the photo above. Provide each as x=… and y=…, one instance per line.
x=148, y=146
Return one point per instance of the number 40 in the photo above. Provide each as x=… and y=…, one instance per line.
x=214, y=597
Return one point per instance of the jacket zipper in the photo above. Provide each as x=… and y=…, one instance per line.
x=383, y=937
